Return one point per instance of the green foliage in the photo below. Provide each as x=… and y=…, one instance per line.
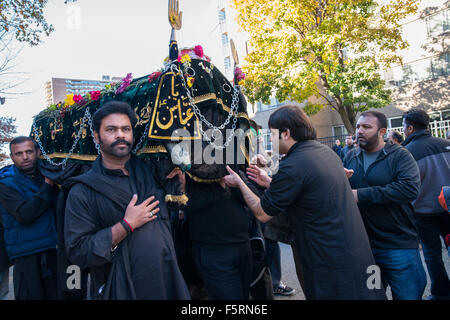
x=319, y=50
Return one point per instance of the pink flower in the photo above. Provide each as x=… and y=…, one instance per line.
x=179, y=58
x=77, y=98
x=95, y=95
x=198, y=51
x=125, y=83
x=239, y=74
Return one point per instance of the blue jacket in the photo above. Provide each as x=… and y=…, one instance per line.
x=26, y=239
x=433, y=158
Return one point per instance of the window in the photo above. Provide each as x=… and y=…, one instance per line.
x=420, y=70
x=222, y=16
x=224, y=39
x=267, y=142
x=339, y=131
x=440, y=65
x=395, y=122
x=438, y=23
x=446, y=115
x=227, y=63
x=273, y=103
x=435, y=116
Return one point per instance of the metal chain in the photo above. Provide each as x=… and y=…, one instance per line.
x=41, y=147
x=233, y=112
x=97, y=146
x=144, y=135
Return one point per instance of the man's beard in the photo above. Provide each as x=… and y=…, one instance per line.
x=368, y=143
x=121, y=152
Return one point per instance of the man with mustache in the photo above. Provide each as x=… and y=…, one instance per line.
x=116, y=221
x=27, y=206
x=385, y=181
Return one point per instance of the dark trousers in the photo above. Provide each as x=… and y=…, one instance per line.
x=431, y=228
x=34, y=276
x=274, y=261
x=224, y=269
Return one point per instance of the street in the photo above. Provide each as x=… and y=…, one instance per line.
x=289, y=277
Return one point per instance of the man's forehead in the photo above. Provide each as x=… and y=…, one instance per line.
x=367, y=120
x=117, y=120
x=22, y=146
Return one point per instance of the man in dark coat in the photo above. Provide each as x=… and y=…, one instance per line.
x=27, y=206
x=312, y=189
x=349, y=145
x=385, y=182
x=116, y=221
x=433, y=158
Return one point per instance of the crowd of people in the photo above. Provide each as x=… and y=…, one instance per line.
x=367, y=206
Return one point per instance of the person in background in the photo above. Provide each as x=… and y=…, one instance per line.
x=395, y=137
x=311, y=188
x=349, y=145
x=385, y=181
x=337, y=147
x=4, y=266
x=27, y=206
x=433, y=158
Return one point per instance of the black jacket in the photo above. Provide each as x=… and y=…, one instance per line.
x=311, y=189
x=433, y=158
x=385, y=193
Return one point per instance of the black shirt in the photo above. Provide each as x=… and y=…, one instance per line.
x=216, y=215
x=153, y=265
x=311, y=188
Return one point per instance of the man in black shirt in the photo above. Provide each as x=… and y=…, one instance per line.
x=116, y=221
x=27, y=204
x=311, y=189
x=385, y=182
x=219, y=231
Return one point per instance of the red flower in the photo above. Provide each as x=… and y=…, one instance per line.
x=95, y=95
x=154, y=76
x=198, y=51
x=77, y=98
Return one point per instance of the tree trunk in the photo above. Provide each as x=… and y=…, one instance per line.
x=348, y=118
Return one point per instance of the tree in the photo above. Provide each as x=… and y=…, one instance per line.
x=25, y=19
x=7, y=132
x=330, y=50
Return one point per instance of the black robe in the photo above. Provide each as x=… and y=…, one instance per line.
x=330, y=240
x=144, y=265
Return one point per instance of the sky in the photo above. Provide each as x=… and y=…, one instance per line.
x=107, y=37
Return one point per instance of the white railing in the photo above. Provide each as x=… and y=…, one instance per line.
x=437, y=128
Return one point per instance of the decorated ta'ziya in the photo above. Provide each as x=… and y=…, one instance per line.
x=184, y=111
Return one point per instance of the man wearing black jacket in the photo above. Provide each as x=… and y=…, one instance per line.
x=385, y=182
x=311, y=190
x=433, y=158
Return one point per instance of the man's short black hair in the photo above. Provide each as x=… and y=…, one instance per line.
x=417, y=118
x=22, y=139
x=110, y=108
x=295, y=119
x=397, y=136
x=381, y=117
